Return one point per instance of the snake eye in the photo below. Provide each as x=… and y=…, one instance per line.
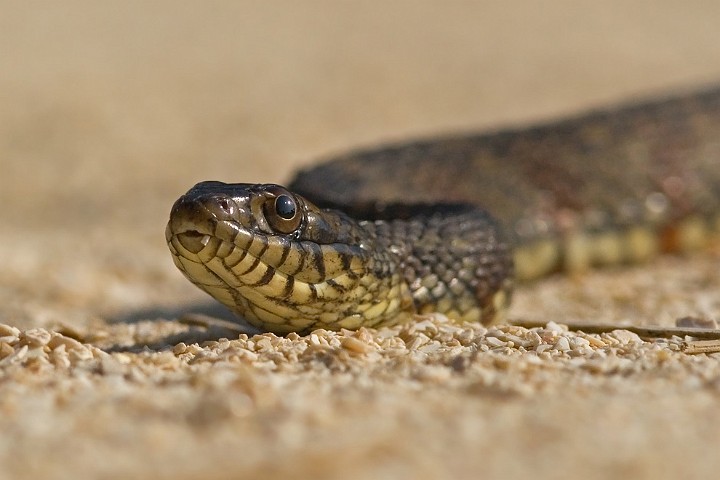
x=282, y=213
x=285, y=207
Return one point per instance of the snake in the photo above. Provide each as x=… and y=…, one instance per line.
x=451, y=223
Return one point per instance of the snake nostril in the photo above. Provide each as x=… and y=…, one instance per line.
x=193, y=241
x=225, y=205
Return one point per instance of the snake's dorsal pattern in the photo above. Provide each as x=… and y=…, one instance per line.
x=611, y=186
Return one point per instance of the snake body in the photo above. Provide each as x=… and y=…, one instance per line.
x=369, y=238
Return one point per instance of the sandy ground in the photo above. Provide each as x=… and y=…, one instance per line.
x=108, y=111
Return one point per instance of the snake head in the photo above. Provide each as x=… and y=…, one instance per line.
x=220, y=209
x=278, y=260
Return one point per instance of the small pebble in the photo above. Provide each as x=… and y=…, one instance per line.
x=562, y=344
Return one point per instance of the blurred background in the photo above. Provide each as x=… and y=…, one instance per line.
x=110, y=110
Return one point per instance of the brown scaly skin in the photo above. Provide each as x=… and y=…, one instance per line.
x=608, y=187
x=611, y=186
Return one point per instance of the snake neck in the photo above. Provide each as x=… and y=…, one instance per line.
x=454, y=260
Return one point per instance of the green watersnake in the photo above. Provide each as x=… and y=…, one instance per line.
x=450, y=224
